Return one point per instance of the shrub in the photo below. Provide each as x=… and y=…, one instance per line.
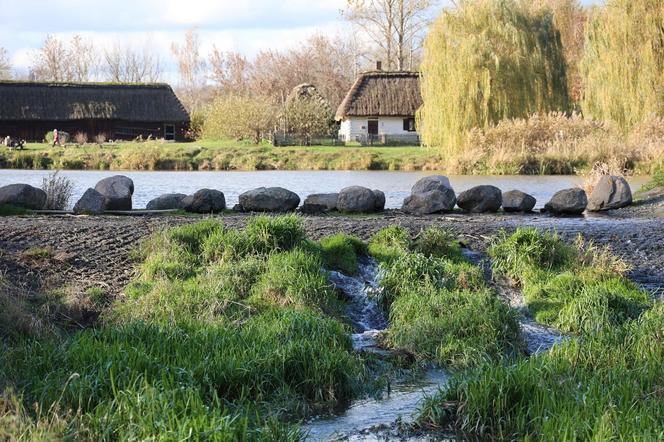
x=59, y=190
x=64, y=137
x=81, y=138
x=240, y=118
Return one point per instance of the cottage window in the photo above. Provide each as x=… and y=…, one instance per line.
x=169, y=132
x=409, y=124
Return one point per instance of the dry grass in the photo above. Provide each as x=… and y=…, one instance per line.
x=614, y=167
x=559, y=144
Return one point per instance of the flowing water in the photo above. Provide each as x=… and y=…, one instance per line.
x=396, y=185
x=373, y=418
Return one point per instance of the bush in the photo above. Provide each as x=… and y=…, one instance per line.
x=59, y=190
x=240, y=118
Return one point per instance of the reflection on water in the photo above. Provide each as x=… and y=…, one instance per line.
x=402, y=402
x=396, y=185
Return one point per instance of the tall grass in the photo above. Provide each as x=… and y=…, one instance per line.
x=439, y=306
x=576, y=289
x=606, y=386
x=201, y=345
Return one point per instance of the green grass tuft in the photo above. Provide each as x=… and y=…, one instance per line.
x=575, y=289
x=340, y=252
x=606, y=386
x=389, y=243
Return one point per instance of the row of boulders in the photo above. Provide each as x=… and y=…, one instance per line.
x=433, y=194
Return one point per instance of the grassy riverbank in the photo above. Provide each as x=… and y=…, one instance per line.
x=237, y=334
x=225, y=333
x=487, y=158
x=603, y=383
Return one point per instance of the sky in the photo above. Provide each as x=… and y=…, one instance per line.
x=246, y=26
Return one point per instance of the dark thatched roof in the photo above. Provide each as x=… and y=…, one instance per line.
x=386, y=94
x=33, y=101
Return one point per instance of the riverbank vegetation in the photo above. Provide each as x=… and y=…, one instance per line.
x=439, y=306
x=603, y=382
x=235, y=333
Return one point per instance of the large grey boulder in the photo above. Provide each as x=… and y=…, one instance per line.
x=23, y=195
x=379, y=204
x=481, y=199
x=434, y=201
x=91, y=203
x=167, y=201
x=611, y=192
x=329, y=200
x=433, y=182
x=518, y=201
x=269, y=199
x=356, y=199
x=205, y=201
x=567, y=202
x=117, y=191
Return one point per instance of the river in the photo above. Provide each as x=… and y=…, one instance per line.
x=396, y=185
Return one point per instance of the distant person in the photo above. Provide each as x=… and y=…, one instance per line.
x=56, y=137
x=8, y=140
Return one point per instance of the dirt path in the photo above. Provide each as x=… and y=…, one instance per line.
x=95, y=251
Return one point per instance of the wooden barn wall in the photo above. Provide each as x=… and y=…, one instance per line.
x=34, y=131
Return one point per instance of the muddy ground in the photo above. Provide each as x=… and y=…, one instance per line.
x=41, y=253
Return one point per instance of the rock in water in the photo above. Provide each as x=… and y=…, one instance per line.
x=269, y=199
x=433, y=182
x=481, y=199
x=92, y=202
x=205, y=201
x=433, y=201
x=117, y=191
x=379, y=205
x=329, y=200
x=567, y=202
x=611, y=192
x=356, y=199
x=517, y=201
x=23, y=195
x=167, y=201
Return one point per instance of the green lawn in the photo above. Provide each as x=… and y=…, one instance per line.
x=218, y=155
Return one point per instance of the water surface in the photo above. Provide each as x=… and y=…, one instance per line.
x=396, y=185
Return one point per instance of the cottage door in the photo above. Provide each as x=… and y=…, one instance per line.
x=372, y=130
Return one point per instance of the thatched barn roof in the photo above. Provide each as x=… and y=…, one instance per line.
x=35, y=101
x=386, y=94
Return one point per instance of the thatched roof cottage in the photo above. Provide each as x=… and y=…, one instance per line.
x=381, y=106
x=119, y=111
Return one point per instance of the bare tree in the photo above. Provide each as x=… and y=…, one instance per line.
x=191, y=67
x=394, y=26
x=82, y=59
x=49, y=62
x=229, y=71
x=5, y=66
x=127, y=65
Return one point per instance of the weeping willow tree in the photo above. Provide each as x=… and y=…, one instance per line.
x=623, y=66
x=485, y=61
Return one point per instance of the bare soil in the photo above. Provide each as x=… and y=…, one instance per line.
x=40, y=253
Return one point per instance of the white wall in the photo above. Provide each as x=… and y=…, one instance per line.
x=354, y=127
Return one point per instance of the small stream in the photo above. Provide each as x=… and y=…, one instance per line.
x=365, y=419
